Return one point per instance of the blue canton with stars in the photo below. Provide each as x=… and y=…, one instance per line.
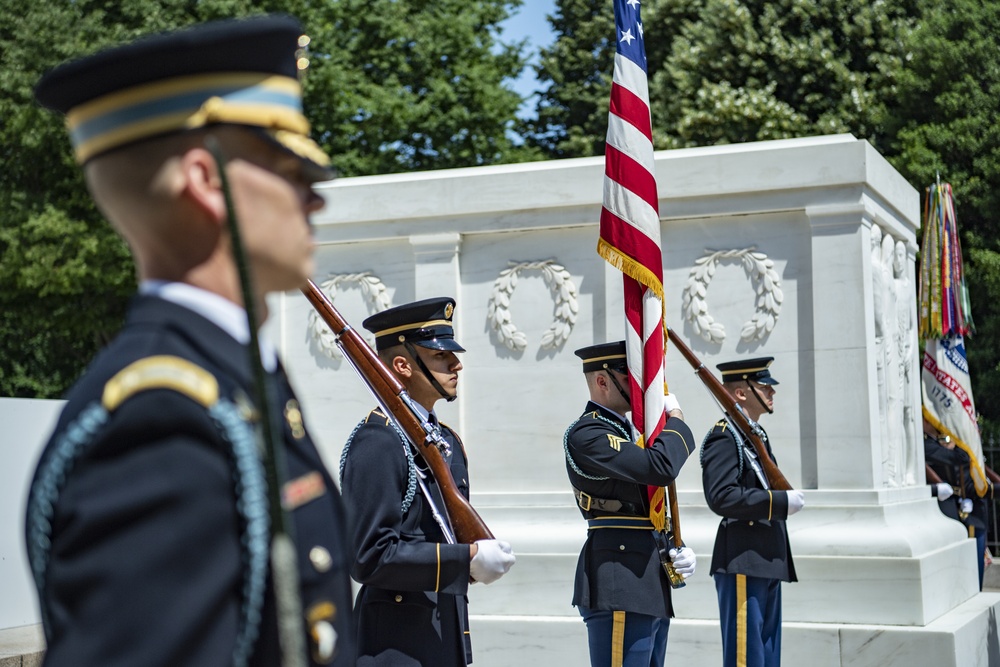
x=628, y=29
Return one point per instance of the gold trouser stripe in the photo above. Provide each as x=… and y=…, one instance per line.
x=741, y=620
x=972, y=531
x=618, y=639
x=437, y=582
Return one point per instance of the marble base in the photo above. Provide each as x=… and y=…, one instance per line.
x=967, y=636
x=22, y=646
x=884, y=579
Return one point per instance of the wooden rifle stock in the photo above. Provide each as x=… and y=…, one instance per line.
x=775, y=479
x=991, y=475
x=390, y=393
x=932, y=477
x=675, y=514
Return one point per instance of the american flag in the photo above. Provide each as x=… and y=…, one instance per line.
x=630, y=227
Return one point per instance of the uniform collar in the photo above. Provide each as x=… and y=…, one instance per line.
x=609, y=412
x=221, y=312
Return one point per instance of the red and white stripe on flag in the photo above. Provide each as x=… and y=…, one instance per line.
x=630, y=228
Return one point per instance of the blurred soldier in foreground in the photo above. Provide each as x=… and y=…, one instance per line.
x=149, y=516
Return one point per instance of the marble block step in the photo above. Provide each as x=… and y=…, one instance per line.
x=967, y=636
x=22, y=647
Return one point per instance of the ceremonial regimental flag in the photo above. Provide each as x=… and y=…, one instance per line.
x=944, y=320
x=630, y=229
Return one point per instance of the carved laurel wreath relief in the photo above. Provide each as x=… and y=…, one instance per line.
x=374, y=292
x=563, y=294
x=767, y=284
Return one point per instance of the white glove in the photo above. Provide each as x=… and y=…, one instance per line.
x=684, y=561
x=944, y=491
x=967, y=505
x=671, y=403
x=796, y=501
x=492, y=560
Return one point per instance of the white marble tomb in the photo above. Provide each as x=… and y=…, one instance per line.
x=799, y=249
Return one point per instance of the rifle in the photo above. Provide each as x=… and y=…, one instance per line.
x=466, y=523
x=932, y=477
x=750, y=429
x=676, y=580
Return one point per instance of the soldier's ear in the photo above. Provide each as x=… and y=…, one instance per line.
x=602, y=380
x=202, y=185
x=401, y=366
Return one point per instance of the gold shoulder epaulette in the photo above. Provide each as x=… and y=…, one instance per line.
x=161, y=372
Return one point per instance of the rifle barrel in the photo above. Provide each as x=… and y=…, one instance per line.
x=775, y=479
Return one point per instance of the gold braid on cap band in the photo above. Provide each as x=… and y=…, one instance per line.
x=412, y=327
x=267, y=101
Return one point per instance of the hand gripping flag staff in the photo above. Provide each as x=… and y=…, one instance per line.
x=945, y=319
x=630, y=239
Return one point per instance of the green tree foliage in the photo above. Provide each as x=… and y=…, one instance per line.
x=752, y=70
x=401, y=86
x=726, y=71
x=575, y=73
x=945, y=121
x=65, y=277
x=394, y=85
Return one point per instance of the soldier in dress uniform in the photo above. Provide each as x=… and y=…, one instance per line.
x=956, y=493
x=752, y=555
x=412, y=608
x=621, y=589
x=148, y=524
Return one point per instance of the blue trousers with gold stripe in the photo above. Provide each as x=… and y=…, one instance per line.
x=750, y=616
x=625, y=639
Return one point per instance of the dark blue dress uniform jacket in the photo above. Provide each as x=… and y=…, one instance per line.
x=952, y=466
x=412, y=607
x=752, y=538
x=144, y=523
x=619, y=569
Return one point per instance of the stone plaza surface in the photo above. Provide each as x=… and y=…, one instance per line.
x=799, y=249
x=22, y=646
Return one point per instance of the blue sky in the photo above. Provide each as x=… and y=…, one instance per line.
x=529, y=22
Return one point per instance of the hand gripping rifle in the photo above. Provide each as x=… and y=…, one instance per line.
x=466, y=523
x=750, y=429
